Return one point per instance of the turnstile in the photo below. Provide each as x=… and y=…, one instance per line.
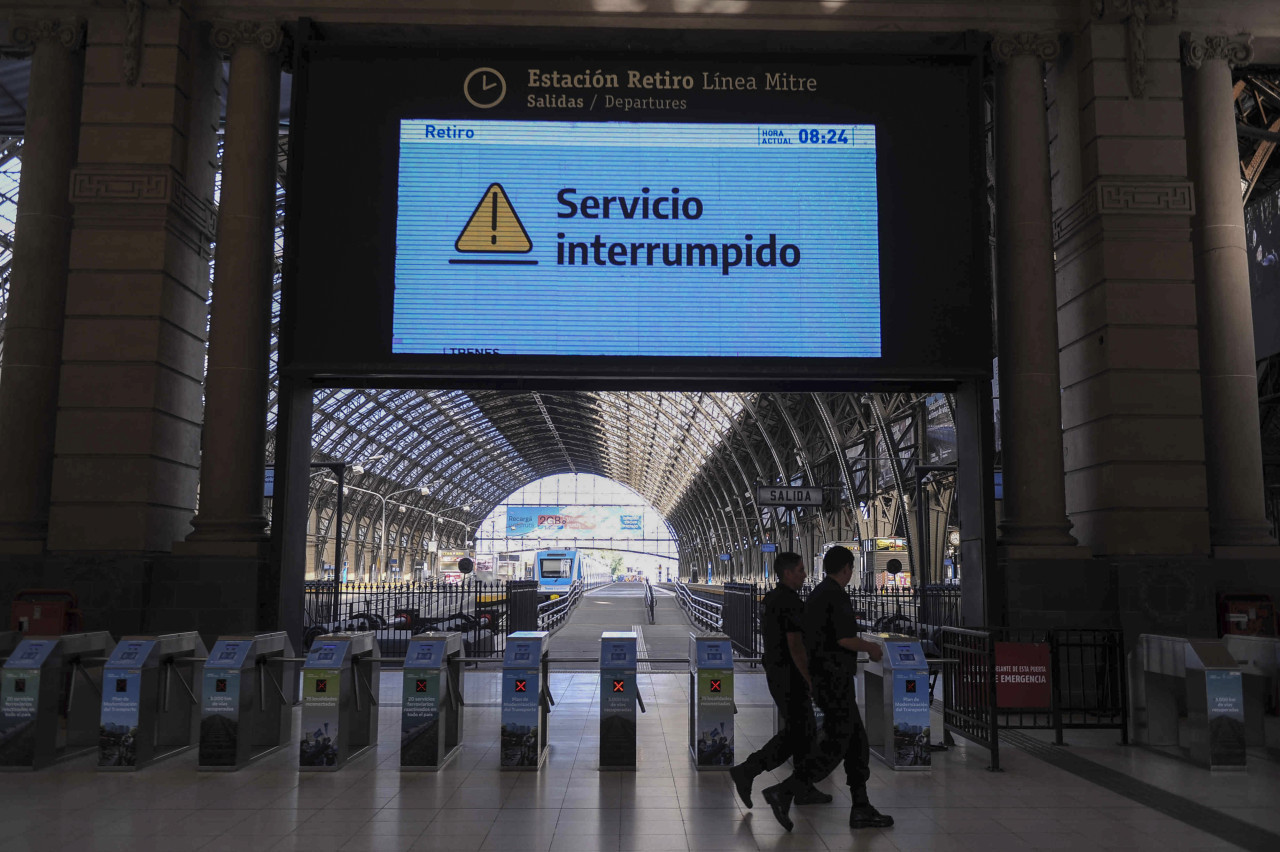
x=1259, y=659
x=1191, y=695
x=431, y=703
x=148, y=704
x=895, y=693
x=339, y=700
x=526, y=700
x=9, y=640
x=619, y=695
x=246, y=706
x=711, y=705
x=49, y=690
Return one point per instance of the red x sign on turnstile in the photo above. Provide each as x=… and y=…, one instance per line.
x=422, y=686
x=715, y=686
x=618, y=685
x=520, y=686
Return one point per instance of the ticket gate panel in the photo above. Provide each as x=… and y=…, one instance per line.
x=526, y=701
x=339, y=708
x=247, y=700
x=49, y=689
x=618, y=698
x=895, y=694
x=148, y=703
x=711, y=702
x=431, y=705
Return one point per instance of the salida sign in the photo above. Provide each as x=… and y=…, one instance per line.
x=1022, y=675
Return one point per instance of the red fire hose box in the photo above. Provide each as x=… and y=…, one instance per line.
x=45, y=612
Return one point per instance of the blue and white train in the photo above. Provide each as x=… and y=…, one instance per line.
x=557, y=570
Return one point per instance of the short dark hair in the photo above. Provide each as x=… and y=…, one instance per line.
x=786, y=561
x=837, y=559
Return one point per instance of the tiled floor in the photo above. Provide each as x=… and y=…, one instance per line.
x=570, y=805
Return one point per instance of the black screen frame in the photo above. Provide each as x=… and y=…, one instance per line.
x=335, y=326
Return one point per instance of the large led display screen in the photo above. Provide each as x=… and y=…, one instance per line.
x=612, y=238
x=495, y=207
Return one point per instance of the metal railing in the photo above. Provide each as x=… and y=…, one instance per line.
x=552, y=614
x=395, y=611
x=969, y=688
x=702, y=612
x=740, y=618
x=650, y=602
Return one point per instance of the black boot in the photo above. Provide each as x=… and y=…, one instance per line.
x=863, y=815
x=811, y=795
x=743, y=775
x=779, y=798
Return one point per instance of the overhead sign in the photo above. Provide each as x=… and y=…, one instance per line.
x=678, y=230
x=596, y=207
x=788, y=495
x=574, y=522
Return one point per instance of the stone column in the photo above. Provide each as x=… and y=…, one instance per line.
x=1030, y=403
x=233, y=442
x=1228, y=381
x=38, y=284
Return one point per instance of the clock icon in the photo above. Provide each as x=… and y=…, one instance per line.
x=484, y=88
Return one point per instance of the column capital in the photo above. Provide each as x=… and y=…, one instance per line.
x=228, y=36
x=1197, y=48
x=1005, y=46
x=67, y=31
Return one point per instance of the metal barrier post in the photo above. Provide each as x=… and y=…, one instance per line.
x=40, y=719
x=148, y=707
x=619, y=695
x=526, y=701
x=339, y=706
x=246, y=709
x=895, y=693
x=711, y=704
x=431, y=702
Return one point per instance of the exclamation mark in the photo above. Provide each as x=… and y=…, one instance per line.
x=493, y=221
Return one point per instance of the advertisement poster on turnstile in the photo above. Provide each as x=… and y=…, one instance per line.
x=420, y=710
x=714, y=736
x=19, y=693
x=618, y=702
x=122, y=703
x=1224, y=691
x=521, y=694
x=911, y=718
x=320, y=705
x=220, y=702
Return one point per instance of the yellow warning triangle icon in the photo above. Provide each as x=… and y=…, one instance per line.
x=494, y=226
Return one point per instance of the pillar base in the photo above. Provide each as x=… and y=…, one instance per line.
x=1015, y=534
x=245, y=538
x=20, y=541
x=1041, y=551
x=236, y=548
x=1271, y=551
x=1241, y=535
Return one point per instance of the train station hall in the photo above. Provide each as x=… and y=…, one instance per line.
x=582, y=425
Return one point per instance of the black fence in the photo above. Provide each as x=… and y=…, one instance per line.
x=969, y=688
x=1088, y=685
x=920, y=613
x=1077, y=676
x=522, y=605
x=484, y=612
x=395, y=611
x=740, y=618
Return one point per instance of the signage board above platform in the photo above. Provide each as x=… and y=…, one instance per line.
x=788, y=495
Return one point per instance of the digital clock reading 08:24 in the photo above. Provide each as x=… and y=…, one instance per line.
x=824, y=137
